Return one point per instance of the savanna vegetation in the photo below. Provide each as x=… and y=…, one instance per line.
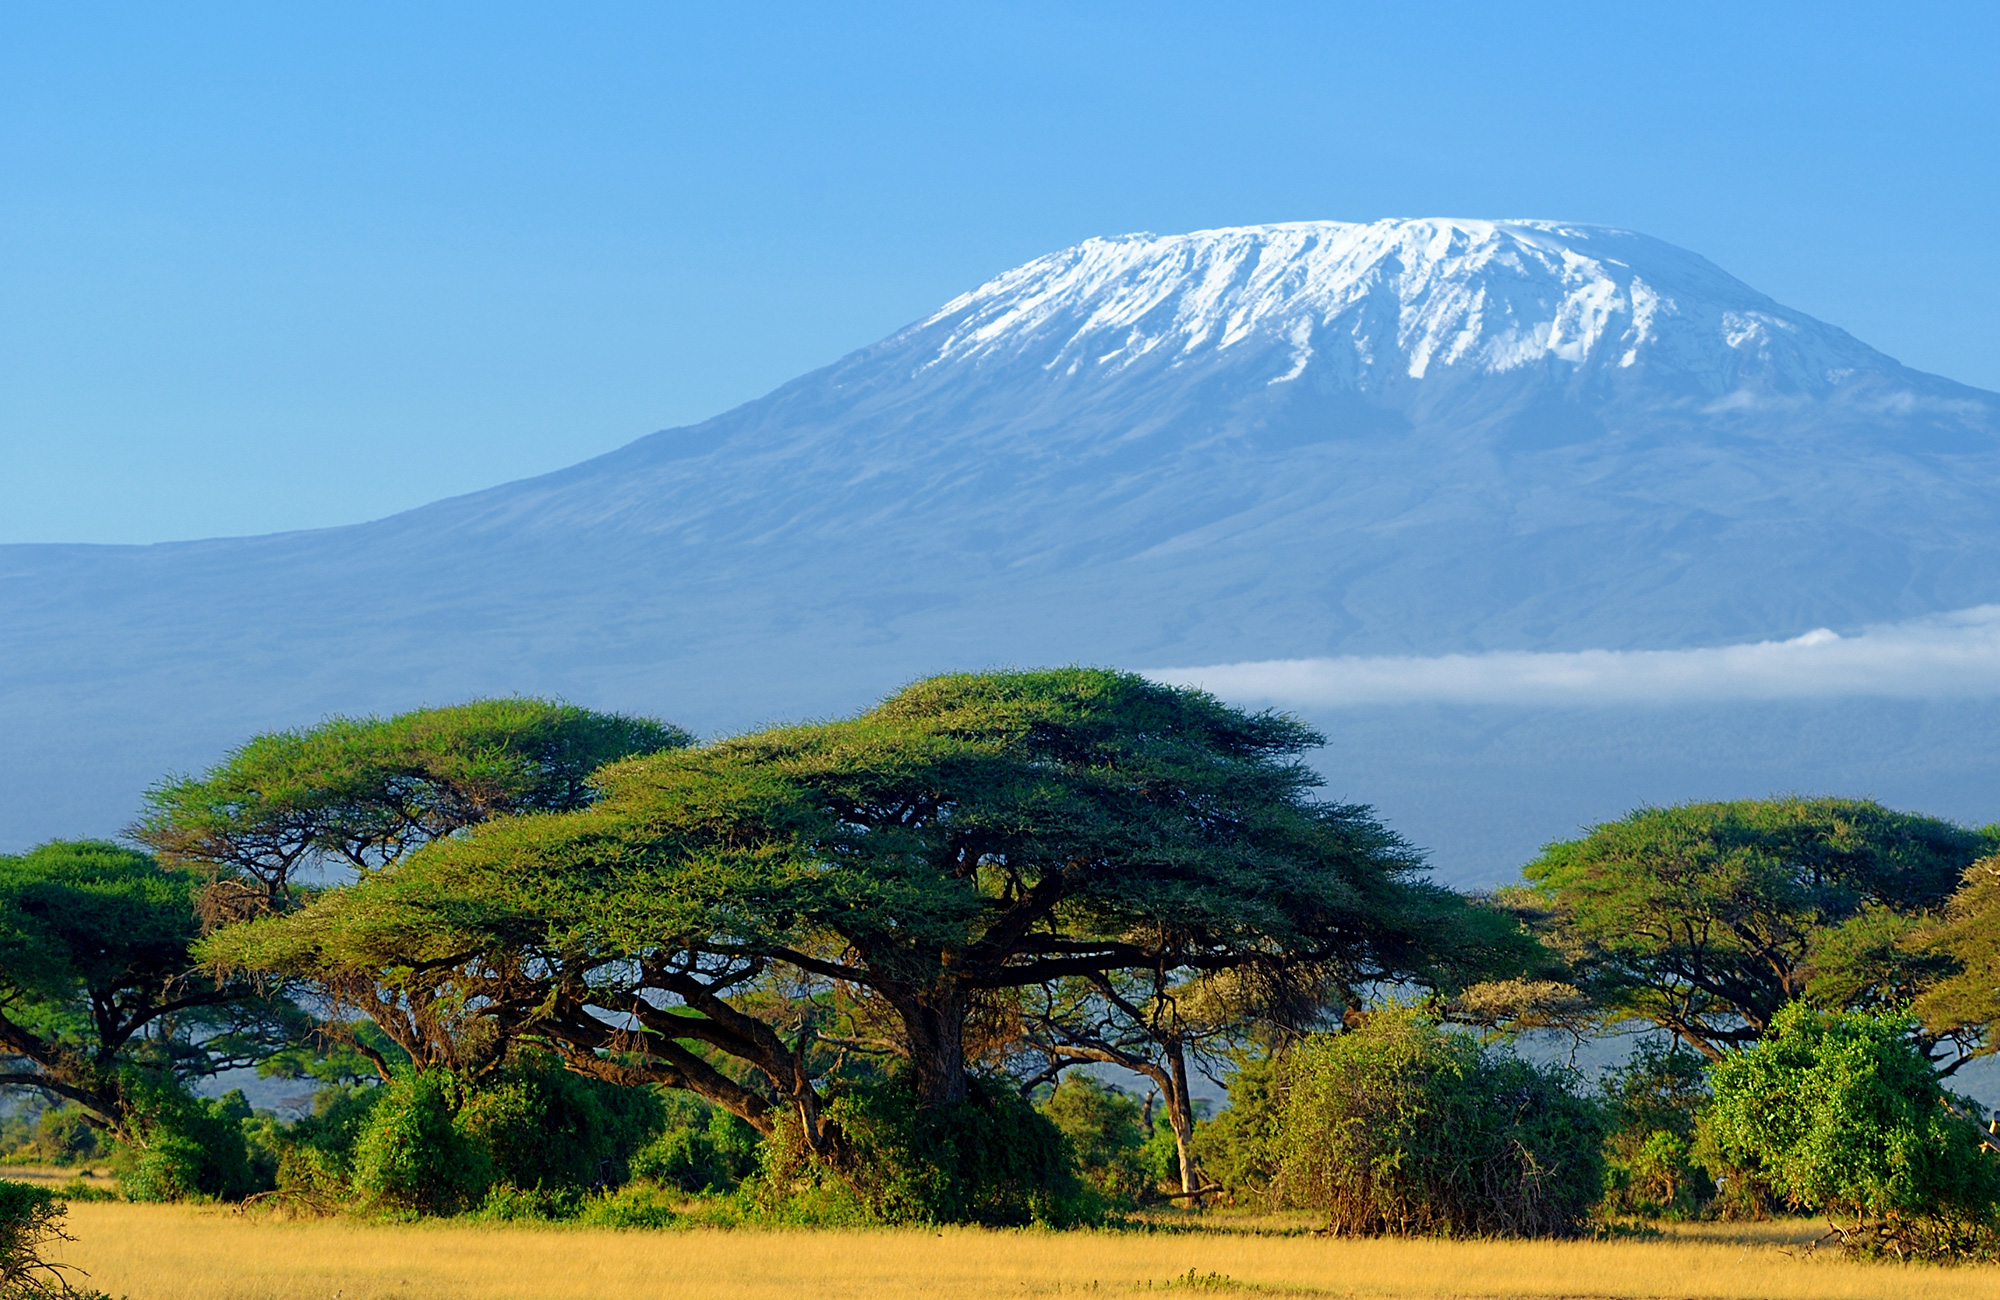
x=988, y=954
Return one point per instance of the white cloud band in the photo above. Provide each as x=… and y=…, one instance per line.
x=1946, y=655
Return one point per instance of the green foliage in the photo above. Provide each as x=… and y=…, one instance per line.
x=1651, y=1107
x=700, y=1148
x=63, y=1137
x=1969, y=938
x=635, y=1205
x=1841, y=1114
x=1401, y=1128
x=1104, y=1131
x=1705, y=919
x=315, y=1154
x=1159, y=1158
x=96, y=978
x=526, y=1142
x=990, y=1159
x=181, y=1147
x=545, y=1127
x=1238, y=1147
x=362, y=792
x=409, y=1155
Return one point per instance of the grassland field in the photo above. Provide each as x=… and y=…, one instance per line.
x=182, y=1252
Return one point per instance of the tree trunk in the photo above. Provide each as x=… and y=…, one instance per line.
x=935, y=1026
x=1180, y=1114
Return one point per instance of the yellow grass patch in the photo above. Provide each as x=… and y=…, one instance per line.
x=206, y=1253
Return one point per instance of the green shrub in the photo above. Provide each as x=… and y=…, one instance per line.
x=315, y=1154
x=700, y=1148
x=181, y=1147
x=635, y=1205
x=1239, y=1147
x=1651, y=1105
x=1103, y=1127
x=409, y=1155
x=1401, y=1128
x=1841, y=1114
x=63, y=1137
x=990, y=1159
x=506, y=1203
x=543, y=1126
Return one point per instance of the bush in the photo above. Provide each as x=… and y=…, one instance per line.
x=1103, y=1127
x=991, y=1159
x=1401, y=1128
x=63, y=1137
x=543, y=1126
x=181, y=1147
x=700, y=1148
x=527, y=1144
x=636, y=1205
x=1841, y=1114
x=315, y=1154
x=30, y=1219
x=1651, y=1107
x=409, y=1155
x=1239, y=1146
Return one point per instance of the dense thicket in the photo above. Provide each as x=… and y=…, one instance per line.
x=1402, y=1127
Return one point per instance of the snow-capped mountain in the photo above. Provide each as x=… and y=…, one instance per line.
x=1382, y=304
x=1268, y=442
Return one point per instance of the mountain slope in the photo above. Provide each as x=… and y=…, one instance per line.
x=1281, y=441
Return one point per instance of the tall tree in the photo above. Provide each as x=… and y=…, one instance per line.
x=98, y=986
x=1706, y=919
x=973, y=834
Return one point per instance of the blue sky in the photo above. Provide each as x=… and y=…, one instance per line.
x=268, y=267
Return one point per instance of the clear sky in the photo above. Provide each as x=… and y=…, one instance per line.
x=268, y=267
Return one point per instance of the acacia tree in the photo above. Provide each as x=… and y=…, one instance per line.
x=356, y=796
x=971, y=835
x=1967, y=1002
x=1157, y=1021
x=1148, y=1022
x=1706, y=919
x=98, y=988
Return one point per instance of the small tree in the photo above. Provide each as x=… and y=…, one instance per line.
x=1841, y=1114
x=1967, y=1002
x=1103, y=1128
x=1402, y=1128
x=1651, y=1109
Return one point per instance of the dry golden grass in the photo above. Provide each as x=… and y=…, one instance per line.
x=204, y=1253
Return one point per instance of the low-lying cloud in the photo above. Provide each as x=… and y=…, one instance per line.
x=1942, y=656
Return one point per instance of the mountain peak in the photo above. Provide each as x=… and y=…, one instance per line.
x=1387, y=302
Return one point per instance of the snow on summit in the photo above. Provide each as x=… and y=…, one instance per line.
x=1408, y=296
